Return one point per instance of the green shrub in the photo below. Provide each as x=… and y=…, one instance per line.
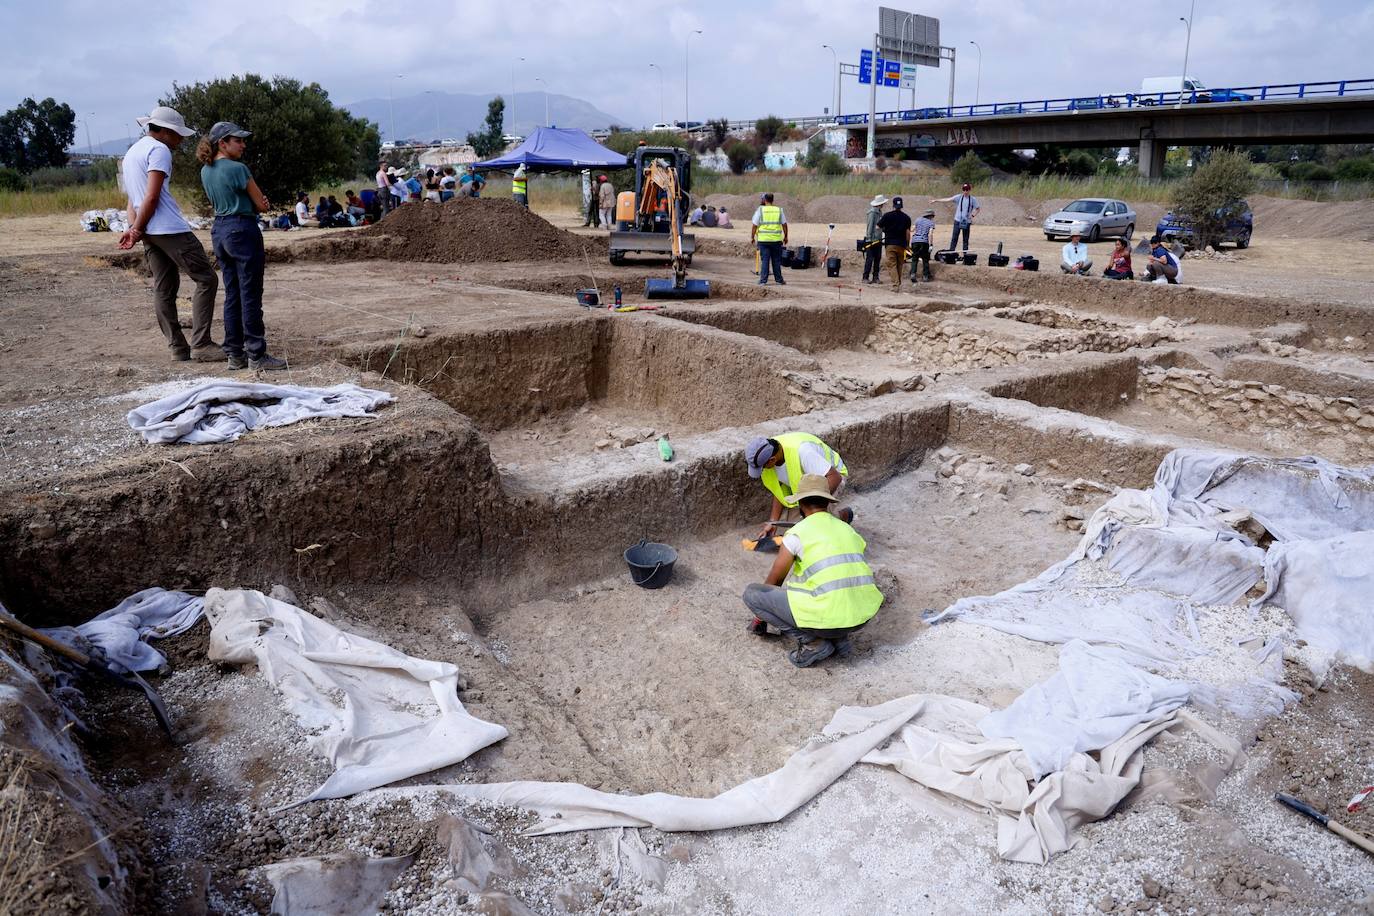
x=11, y=180
x=1221, y=181
x=1360, y=169
x=1308, y=171
x=969, y=169
x=740, y=155
x=831, y=163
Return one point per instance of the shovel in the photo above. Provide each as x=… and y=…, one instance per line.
x=91, y=663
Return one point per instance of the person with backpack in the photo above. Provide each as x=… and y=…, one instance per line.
x=237, y=200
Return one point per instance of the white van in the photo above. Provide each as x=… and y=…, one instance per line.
x=1154, y=85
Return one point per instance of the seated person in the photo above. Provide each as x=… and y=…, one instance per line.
x=1162, y=264
x=723, y=219
x=1119, y=267
x=353, y=204
x=695, y=218
x=302, y=213
x=322, y=213
x=1075, y=258
x=708, y=218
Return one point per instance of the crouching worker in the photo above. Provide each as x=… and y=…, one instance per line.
x=831, y=594
x=782, y=461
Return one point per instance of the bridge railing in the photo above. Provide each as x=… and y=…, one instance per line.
x=1113, y=101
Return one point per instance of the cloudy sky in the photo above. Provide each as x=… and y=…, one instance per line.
x=753, y=57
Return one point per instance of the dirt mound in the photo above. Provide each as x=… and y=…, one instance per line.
x=1313, y=219
x=742, y=206
x=461, y=230
x=838, y=208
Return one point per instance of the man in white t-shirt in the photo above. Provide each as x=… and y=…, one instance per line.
x=169, y=245
x=966, y=210
x=781, y=461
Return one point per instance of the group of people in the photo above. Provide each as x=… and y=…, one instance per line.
x=1161, y=263
x=710, y=217
x=600, y=198
x=832, y=592
x=897, y=236
x=170, y=248
x=397, y=186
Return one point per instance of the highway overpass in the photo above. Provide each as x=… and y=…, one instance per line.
x=1323, y=119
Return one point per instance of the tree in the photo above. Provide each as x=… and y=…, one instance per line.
x=766, y=130
x=300, y=139
x=490, y=141
x=969, y=169
x=815, y=149
x=1204, y=196
x=717, y=131
x=740, y=155
x=35, y=135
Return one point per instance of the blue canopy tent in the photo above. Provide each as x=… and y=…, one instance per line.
x=552, y=149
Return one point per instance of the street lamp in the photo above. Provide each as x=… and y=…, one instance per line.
x=1187, y=46
x=660, y=91
x=687, y=83
x=391, y=102
x=512, y=95
x=438, y=135
x=835, y=57
x=540, y=79
x=978, y=83
x=90, y=114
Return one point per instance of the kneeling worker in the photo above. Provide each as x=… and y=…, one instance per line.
x=832, y=592
x=783, y=460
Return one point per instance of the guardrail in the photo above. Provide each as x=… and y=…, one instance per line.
x=1114, y=101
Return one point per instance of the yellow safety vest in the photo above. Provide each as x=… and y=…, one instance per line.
x=791, y=459
x=517, y=186
x=770, y=224
x=832, y=586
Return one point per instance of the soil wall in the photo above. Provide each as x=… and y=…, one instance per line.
x=807, y=329
x=1291, y=373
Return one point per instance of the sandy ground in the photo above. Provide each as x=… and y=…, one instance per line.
x=630, y=690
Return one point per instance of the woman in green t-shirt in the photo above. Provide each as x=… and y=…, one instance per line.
x=237, y=243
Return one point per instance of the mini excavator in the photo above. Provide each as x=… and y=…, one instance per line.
x=650, y=219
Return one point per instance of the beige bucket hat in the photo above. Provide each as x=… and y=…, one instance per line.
x=814, y=485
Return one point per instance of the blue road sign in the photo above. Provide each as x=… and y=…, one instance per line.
x=889, y=71
x=865, y=66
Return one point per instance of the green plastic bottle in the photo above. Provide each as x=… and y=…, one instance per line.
x=665, y=448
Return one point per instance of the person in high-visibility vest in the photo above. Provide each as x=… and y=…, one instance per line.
x=519, y=188
x=832, y=592
x=770, y=233
x=781, y=462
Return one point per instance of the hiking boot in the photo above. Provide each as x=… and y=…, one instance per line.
x=781, y=282
x=238, y=362
x=844, y=647
x=210, y=353
x=808, y=653
x=181, y=356
x=757, y=627
x=846, y=515
x=266, y=363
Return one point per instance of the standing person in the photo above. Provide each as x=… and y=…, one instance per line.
x=396, y=189
x=920, y=245
x=384, y=186
x=833, y=591
x=238, y=244
x=606, y=202
x=1162, y=263
x=169, y=246
x=769, y=231
x=1074, y=258
x=448, y=183
x=519, y=187
x=1119, y=264
x=965, y=210
x=414, y=189
x=873, y=240
x=591, y=204
x=896, y=228
x=472, y=182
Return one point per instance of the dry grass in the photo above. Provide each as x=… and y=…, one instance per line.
x=75, y=199
x=25, y=829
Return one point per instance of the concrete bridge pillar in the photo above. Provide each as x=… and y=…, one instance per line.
x=1151, y=156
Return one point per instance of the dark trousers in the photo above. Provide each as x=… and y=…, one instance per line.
x=873, y=261
x=238, y=246
x=954, y=239
x=770, y=252
x=1118, y=274
x=386, y=199
x=168, y=256
x=920, y=251
x=593, y=214
x=769, y=604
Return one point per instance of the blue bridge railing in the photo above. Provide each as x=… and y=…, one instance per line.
x=1240, y=94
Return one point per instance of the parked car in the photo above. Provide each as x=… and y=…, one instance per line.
x=1093, y=218
x=661, y=125
x=1238, y=219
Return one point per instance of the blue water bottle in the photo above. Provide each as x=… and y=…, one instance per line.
x=617, y=295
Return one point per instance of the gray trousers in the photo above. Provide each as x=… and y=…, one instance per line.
x=168, y=256
x=770, y=604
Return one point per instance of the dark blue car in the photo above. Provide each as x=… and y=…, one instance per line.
x=1224, y=95
x=1240, y=224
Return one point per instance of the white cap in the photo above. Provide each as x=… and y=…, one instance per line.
x=168, y=118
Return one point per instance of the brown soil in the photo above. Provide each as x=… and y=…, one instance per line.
x=462, y=230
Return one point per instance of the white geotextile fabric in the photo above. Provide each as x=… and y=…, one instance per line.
x=377, y=714
x=122, y=631
x=220, y=410
x=931, y=740
x=1179, y=548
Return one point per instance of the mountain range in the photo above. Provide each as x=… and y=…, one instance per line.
x=441, y=115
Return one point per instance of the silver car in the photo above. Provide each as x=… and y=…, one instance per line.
x=1093, y=218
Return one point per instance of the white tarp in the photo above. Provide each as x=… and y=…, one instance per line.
x=122, y=631
x=221, y=410
x=1083, y=727
x=377, y=714
x=1190, y=542
x=338, y=884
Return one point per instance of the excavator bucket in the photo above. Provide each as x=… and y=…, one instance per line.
x=669, y=289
